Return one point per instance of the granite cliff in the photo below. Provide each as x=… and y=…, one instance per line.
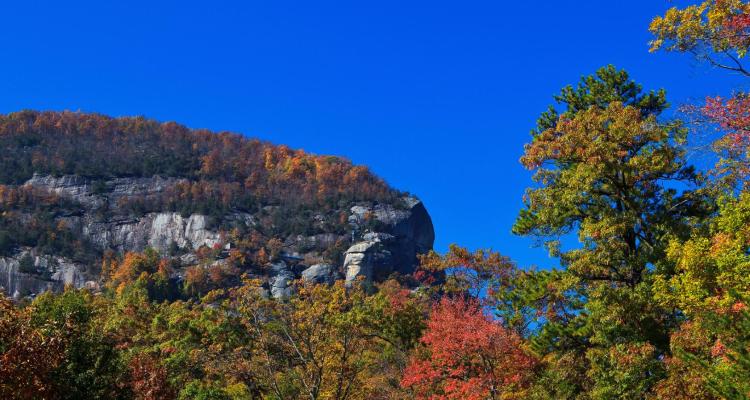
x=272, y=213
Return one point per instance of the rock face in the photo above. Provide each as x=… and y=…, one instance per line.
x=319, y=273
x=95, y=194
x=382, y=238
x=27, y=274
x=155, y=230
x=365, y=259
x=192, y=232
x=406, y=233
x=281, y=280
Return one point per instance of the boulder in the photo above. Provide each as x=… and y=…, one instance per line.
x=281, y=280
x=370, y=260
x=319, y=273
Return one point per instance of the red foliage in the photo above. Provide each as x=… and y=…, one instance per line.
x=737, y=30
x=424, y=277
x=732, y=115
x=149, y=379
x=466, y=355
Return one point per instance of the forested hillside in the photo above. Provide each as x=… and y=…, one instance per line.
x=232, y=269
x=79, y=191
x=100, y=147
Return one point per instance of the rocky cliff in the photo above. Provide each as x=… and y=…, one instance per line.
x=79, y=189
x=380, y=239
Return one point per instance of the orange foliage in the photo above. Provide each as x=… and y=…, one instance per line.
x=216, y=169
x=201, y=279
x=28, y=355
x=147, y=265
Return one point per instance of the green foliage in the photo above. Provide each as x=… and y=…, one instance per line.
x=624, y=371
x=330, y=341
x=92, y=365
x=608, y=85
x=710, y=286
x=30, y=218
x=195, y=390
x=26, y=264
x=607, y=169
x=726, y=368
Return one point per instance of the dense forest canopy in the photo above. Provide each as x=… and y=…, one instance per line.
x=652, y=303
x=226, y=166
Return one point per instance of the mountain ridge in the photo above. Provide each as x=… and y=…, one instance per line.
x=76, y=189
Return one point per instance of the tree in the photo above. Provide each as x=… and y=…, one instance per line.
x=26, y=264
x=29, y=354
x=466, y=355
x=148, y=379
x=471, y=272
x=606, y=169
x=329, y=342
x=732, y=117
x=91, y=367
x=519, y=298
x=710, y=286
x=147, y=269
x=603, y=170
x=716, y=31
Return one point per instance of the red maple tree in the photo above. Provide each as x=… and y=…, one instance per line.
x=466, y=355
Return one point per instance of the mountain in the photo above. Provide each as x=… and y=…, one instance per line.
x=78, y=191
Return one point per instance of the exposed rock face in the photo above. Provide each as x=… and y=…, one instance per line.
x=49, y=273
x=319, y=273
x=168, y=228
x=383, y=238
x=365, y=259
x=93, y=196
x=156, y=230
x=407, y=233
x=281, y=280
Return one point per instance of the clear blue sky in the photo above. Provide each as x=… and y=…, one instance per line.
x=436, y=97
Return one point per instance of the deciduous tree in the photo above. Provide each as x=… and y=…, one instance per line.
x=464, y=354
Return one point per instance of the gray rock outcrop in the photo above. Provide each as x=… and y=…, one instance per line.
x=319, y=273
x=392, y=245
x=382, y=239
x=44, y=273
x=366, y=259
x=281, y=280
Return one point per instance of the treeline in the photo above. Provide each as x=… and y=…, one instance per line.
x=231, y=168
x=217, y=200
x=327, y=342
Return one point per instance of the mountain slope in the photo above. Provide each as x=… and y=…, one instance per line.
x=77, y=189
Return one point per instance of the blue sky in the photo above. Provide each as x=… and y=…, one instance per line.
x=436, y=97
